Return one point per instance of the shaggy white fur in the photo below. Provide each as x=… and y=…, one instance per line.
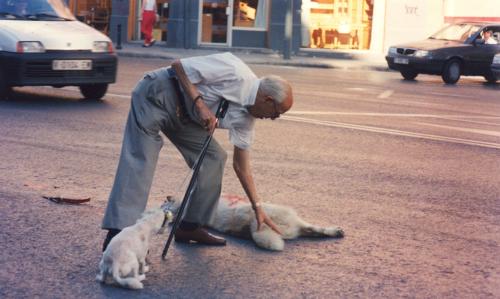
x=235, y=216
x=124, y=260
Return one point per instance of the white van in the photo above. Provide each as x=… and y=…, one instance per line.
x=42, y=43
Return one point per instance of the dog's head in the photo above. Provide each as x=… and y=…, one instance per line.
x=170, y=208
x=156, y=218
x=171, y=204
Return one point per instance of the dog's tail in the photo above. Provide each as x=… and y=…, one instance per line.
x=127, y=282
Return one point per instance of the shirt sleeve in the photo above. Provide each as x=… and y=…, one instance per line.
x=241, y=137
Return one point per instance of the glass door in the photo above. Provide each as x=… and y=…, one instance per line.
x=214, y=22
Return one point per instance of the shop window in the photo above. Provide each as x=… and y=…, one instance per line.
x=250, y=13
x=160, y=27
x=336, y=24
x=95, y=13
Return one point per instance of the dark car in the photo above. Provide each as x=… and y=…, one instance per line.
x=457, y=49
x=495, y=66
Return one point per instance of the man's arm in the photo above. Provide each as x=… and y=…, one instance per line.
x=241, y=165
x=207, y=117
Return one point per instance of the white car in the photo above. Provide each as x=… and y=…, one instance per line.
x=42, y=43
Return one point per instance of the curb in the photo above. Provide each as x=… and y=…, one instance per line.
x=276, y=62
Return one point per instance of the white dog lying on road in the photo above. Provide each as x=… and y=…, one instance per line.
x=125, y=257
x=234, y=216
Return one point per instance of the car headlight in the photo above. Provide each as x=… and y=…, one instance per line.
x=496, y=59
x=102, y=47
x=30, y=47
x=421, y=53
x=393, y=51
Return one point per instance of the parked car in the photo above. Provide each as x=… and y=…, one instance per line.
x=42, y=43
x=495, y=66
x=457, y=49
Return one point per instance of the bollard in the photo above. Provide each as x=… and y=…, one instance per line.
x=119, y=37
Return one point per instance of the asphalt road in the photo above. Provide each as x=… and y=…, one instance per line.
x=409, y=170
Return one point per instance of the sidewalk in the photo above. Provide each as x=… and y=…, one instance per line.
x=338, y=59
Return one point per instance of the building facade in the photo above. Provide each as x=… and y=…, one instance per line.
x=324, y=25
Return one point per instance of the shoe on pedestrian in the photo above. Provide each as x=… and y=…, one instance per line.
x=153, y=41
x=146, y=45
x=198, y=235
x=112, y=232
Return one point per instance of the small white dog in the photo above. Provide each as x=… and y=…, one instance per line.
x=124, y=260
x=235, y=216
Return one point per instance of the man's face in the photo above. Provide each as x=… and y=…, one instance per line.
x=267, y=107
x=487, y=34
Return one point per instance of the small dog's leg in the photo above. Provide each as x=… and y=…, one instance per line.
x=309, y=230
x=143, y=266
x=101, y=276
x=268, y=239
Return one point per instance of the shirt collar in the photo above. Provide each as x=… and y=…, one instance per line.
x=253, y=93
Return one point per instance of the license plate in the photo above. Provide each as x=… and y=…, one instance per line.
x=401, y=60
x=59, y=65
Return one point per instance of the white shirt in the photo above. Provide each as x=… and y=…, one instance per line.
x=225, y=76
x=149, y=5
x=490, y=41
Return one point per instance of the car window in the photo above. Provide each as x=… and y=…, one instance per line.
x=457, y=32
x=45, y=10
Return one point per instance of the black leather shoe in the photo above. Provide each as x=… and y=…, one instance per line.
x=112, y=232
x=200, y=236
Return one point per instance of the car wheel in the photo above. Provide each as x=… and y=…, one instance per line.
x=452, y=71
x=94, y=91
x=490, y=78
x=409, y=74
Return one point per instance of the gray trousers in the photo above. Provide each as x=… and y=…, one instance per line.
x=154, y=109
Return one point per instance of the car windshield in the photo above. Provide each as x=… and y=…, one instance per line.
x=457, y=32
x=42, y=10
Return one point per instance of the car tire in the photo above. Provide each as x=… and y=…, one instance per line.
x=93, y=91
x=452, y=71
x=409, y=74
x=490, y=78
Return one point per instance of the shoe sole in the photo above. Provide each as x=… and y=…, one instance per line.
x=189, y=241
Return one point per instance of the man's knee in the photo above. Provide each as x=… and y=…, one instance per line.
x=220, y=155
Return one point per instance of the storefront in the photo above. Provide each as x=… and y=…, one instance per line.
x=95, y=13
x=336, y=24
x=326, y=24
x=322, y=25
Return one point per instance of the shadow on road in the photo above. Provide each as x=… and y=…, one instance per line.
x=46, y=98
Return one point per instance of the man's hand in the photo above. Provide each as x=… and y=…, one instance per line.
x=207, y=117
x=263, y=219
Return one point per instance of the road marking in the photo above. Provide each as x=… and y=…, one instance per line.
x=393, y=132
x=385, y=94
x=119, y=95
x=446, y=116
x=468, y=130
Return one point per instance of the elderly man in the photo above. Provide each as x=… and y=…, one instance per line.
x=185, y=115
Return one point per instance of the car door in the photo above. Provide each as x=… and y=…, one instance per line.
x=480, y=55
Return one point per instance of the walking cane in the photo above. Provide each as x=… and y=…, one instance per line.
x=221, y=112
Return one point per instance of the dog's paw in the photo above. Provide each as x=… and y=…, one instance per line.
x=145, y=269
x=335, y=232
x=99, y=277
x=141, y=277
